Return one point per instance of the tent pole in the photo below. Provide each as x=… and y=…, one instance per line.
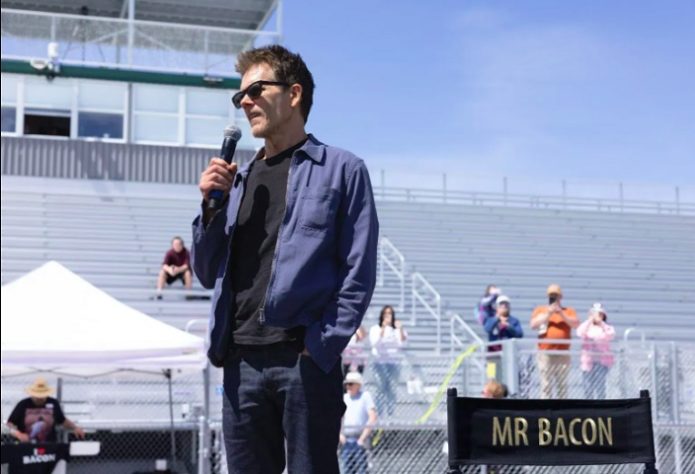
x=205, y=449
x=167, y=374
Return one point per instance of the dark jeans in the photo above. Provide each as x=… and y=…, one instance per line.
x=595, y=382
x=354, y=458
x=273, y=396
x=387, y=377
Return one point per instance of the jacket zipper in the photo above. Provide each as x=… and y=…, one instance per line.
x=261, y=315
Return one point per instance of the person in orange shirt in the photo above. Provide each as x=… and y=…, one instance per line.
x=554, y=321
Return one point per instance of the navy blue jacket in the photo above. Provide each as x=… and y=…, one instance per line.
x=324, y=268
x=512, y=330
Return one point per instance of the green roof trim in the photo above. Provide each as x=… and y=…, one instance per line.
x=125, y=75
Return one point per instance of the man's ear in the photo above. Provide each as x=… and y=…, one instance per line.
x=296, y=92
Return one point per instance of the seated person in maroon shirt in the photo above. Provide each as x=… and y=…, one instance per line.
x=176, y=266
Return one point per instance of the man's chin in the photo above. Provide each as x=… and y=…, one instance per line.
x=259, y=131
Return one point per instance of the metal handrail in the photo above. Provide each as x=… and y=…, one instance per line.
x=535, y=201
x=125, y=21
x=628, y=331
x=398, y=268
x=418, y=282
x=455, y=340
x=467, y=197
x=153, y=33
x=195, y=322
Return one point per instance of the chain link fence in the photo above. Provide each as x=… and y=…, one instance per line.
x=133, y=414
x=130, y=412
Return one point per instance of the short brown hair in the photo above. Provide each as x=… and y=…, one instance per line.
x=287, y=66
x=496, y=389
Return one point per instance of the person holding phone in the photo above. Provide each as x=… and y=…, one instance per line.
x=597, y=358
x=554, y=321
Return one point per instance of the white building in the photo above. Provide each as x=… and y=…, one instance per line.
x=111, y=78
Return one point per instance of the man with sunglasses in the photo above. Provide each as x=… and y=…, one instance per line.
x=291, y=255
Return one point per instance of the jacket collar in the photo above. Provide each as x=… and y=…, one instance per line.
x=312, y=149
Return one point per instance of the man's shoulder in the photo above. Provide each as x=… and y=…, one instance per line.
x=24, y=402
x=336, y=155
x=52, y=402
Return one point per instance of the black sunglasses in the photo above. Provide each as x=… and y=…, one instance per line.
x=254, y=91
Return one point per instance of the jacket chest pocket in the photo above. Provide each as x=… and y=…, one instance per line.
x=317, y=210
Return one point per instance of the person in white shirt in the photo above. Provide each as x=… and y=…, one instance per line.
x=354, y=355
x=358, y=421
x=387, y=339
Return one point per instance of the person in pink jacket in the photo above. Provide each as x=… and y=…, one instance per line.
x=597, y=358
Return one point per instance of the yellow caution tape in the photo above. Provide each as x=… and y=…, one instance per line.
x=445, y=383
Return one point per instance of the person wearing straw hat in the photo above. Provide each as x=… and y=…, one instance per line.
x=358, y=421
x=34, y=419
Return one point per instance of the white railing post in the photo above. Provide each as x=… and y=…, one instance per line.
x=438, y=302
x=413, y=306
x=391, y=257
x=432, y=305
x=380, y=279
x=131, y=31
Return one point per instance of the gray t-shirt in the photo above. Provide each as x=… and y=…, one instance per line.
x=357, y=413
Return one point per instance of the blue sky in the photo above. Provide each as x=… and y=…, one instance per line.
x=589, y=91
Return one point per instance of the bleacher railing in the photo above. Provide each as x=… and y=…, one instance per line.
x=425, y=295
x=675, y=207
x=115, y=42
x=461, y=334
x=390, y=258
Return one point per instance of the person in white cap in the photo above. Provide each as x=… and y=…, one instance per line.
x=34, y=419
x=596, y=358
x=503, y=325
x=358, y=421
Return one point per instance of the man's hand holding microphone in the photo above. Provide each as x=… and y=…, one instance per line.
x=217, y=179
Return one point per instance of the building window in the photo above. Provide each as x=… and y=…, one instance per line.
x=208, y=112
x=50, y=122
x=156, y=114
x=100, y=125
x=48, y=106
x=9, y=103
x=9, y=119
x=154, y=128
x=101, y=108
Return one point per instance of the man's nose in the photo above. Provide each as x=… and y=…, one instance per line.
x=247, y=102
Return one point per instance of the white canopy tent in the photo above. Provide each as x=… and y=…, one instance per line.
x=53, y=320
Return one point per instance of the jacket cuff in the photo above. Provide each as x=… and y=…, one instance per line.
x=199, y=221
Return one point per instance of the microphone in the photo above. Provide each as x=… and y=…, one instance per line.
x=232, y=134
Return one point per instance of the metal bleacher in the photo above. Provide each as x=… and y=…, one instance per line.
x=114, y=234
x=640, y=266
